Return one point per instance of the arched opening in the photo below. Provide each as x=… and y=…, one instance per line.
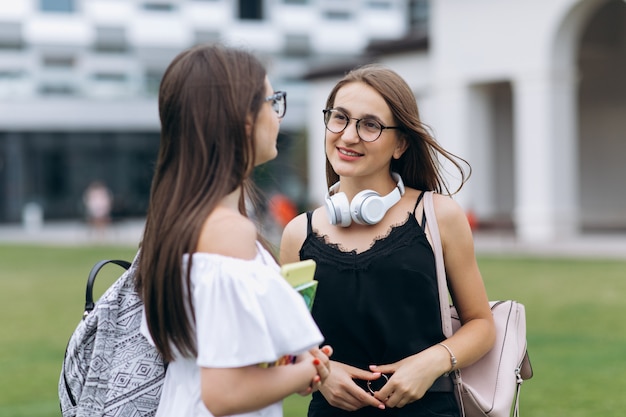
x=491, y=114
x=601, y=119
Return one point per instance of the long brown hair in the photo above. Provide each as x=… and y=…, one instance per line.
x=418, y=166
x=205, y=154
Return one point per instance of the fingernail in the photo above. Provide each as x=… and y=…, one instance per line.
x=381, y=406
x=316, y=361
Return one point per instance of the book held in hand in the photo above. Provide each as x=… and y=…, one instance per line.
x=300, y=276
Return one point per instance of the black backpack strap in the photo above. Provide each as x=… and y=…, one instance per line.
x=89, y=303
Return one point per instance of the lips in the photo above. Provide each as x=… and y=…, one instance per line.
x=348, y=152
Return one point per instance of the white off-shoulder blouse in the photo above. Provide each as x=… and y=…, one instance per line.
x=246, y=314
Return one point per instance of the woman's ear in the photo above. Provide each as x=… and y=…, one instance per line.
x=401, y=145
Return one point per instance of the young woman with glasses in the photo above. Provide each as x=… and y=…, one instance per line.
x=377, y=301
x=216, y=306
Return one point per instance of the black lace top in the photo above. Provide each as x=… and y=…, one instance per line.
x=380, y=305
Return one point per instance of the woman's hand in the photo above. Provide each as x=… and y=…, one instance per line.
x=411, y=377
x=321, y=361
x=340, y=390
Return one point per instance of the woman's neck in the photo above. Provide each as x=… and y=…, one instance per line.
x=231, y=201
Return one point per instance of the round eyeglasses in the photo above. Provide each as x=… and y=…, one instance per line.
x=368, y=129
x=279, y=103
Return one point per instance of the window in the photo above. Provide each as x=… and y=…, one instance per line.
x=152, y=79
x=251, y=9
x=58, y=62
x=66, y=6
x=378, y=5
x=337, y=15
x=57, y=77
x=110, y=39
x=158, y=7
x=418, y=15
x=297, y=45
x=56, y=90
x=113, y=77
x=10, y=75
x=206, y=36
x=54, y=178
x=11, y=35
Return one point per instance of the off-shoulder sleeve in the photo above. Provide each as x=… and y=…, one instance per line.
x=246, y=313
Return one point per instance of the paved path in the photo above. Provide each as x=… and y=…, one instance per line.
x=611, y=246
x=128, y=232
x=71, y=233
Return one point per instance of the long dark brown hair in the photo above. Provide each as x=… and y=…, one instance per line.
x=418, y=166
x=205, y=154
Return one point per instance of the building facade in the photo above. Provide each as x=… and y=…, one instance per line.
x=79, y=78
x=532, y=93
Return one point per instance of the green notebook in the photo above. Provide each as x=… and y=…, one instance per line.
x=300, y=276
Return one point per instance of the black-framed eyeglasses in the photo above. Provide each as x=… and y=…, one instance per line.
x=279, y=102
x=368, y=129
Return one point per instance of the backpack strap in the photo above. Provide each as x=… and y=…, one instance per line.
x=442, y=285
x=89, y=303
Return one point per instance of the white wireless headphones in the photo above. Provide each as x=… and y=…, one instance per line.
x=367, y=207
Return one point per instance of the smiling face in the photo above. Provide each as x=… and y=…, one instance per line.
x=346, y=152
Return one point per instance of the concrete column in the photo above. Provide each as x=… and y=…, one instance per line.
x=545, y=156
x=481, y=148
x=453, y=131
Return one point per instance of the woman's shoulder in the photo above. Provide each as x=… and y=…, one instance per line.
x=446, y=207
x=294, y=235
x=228, y=233
x=297, y=224
x=451, y=217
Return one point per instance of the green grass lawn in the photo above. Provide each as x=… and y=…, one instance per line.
x=575, y=308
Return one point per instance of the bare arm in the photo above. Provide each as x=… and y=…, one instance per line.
x=477, y=334
x=227, y=391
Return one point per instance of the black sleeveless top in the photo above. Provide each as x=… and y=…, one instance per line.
x=377, y=307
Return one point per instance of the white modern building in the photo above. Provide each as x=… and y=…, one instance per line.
x=78, y=81
x=533, y=94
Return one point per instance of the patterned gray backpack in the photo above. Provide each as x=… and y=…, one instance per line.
x=110, y=368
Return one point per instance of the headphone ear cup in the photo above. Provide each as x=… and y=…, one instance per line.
x=367, y=207
x=338, y=209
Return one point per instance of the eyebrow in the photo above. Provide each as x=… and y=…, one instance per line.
x=365, y=116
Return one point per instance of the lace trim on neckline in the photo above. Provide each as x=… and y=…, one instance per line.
x=399, y=235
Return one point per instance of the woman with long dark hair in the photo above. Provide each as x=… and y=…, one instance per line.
x=216, y=306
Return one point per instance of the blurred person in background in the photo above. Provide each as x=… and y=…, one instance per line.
x=98, y=202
